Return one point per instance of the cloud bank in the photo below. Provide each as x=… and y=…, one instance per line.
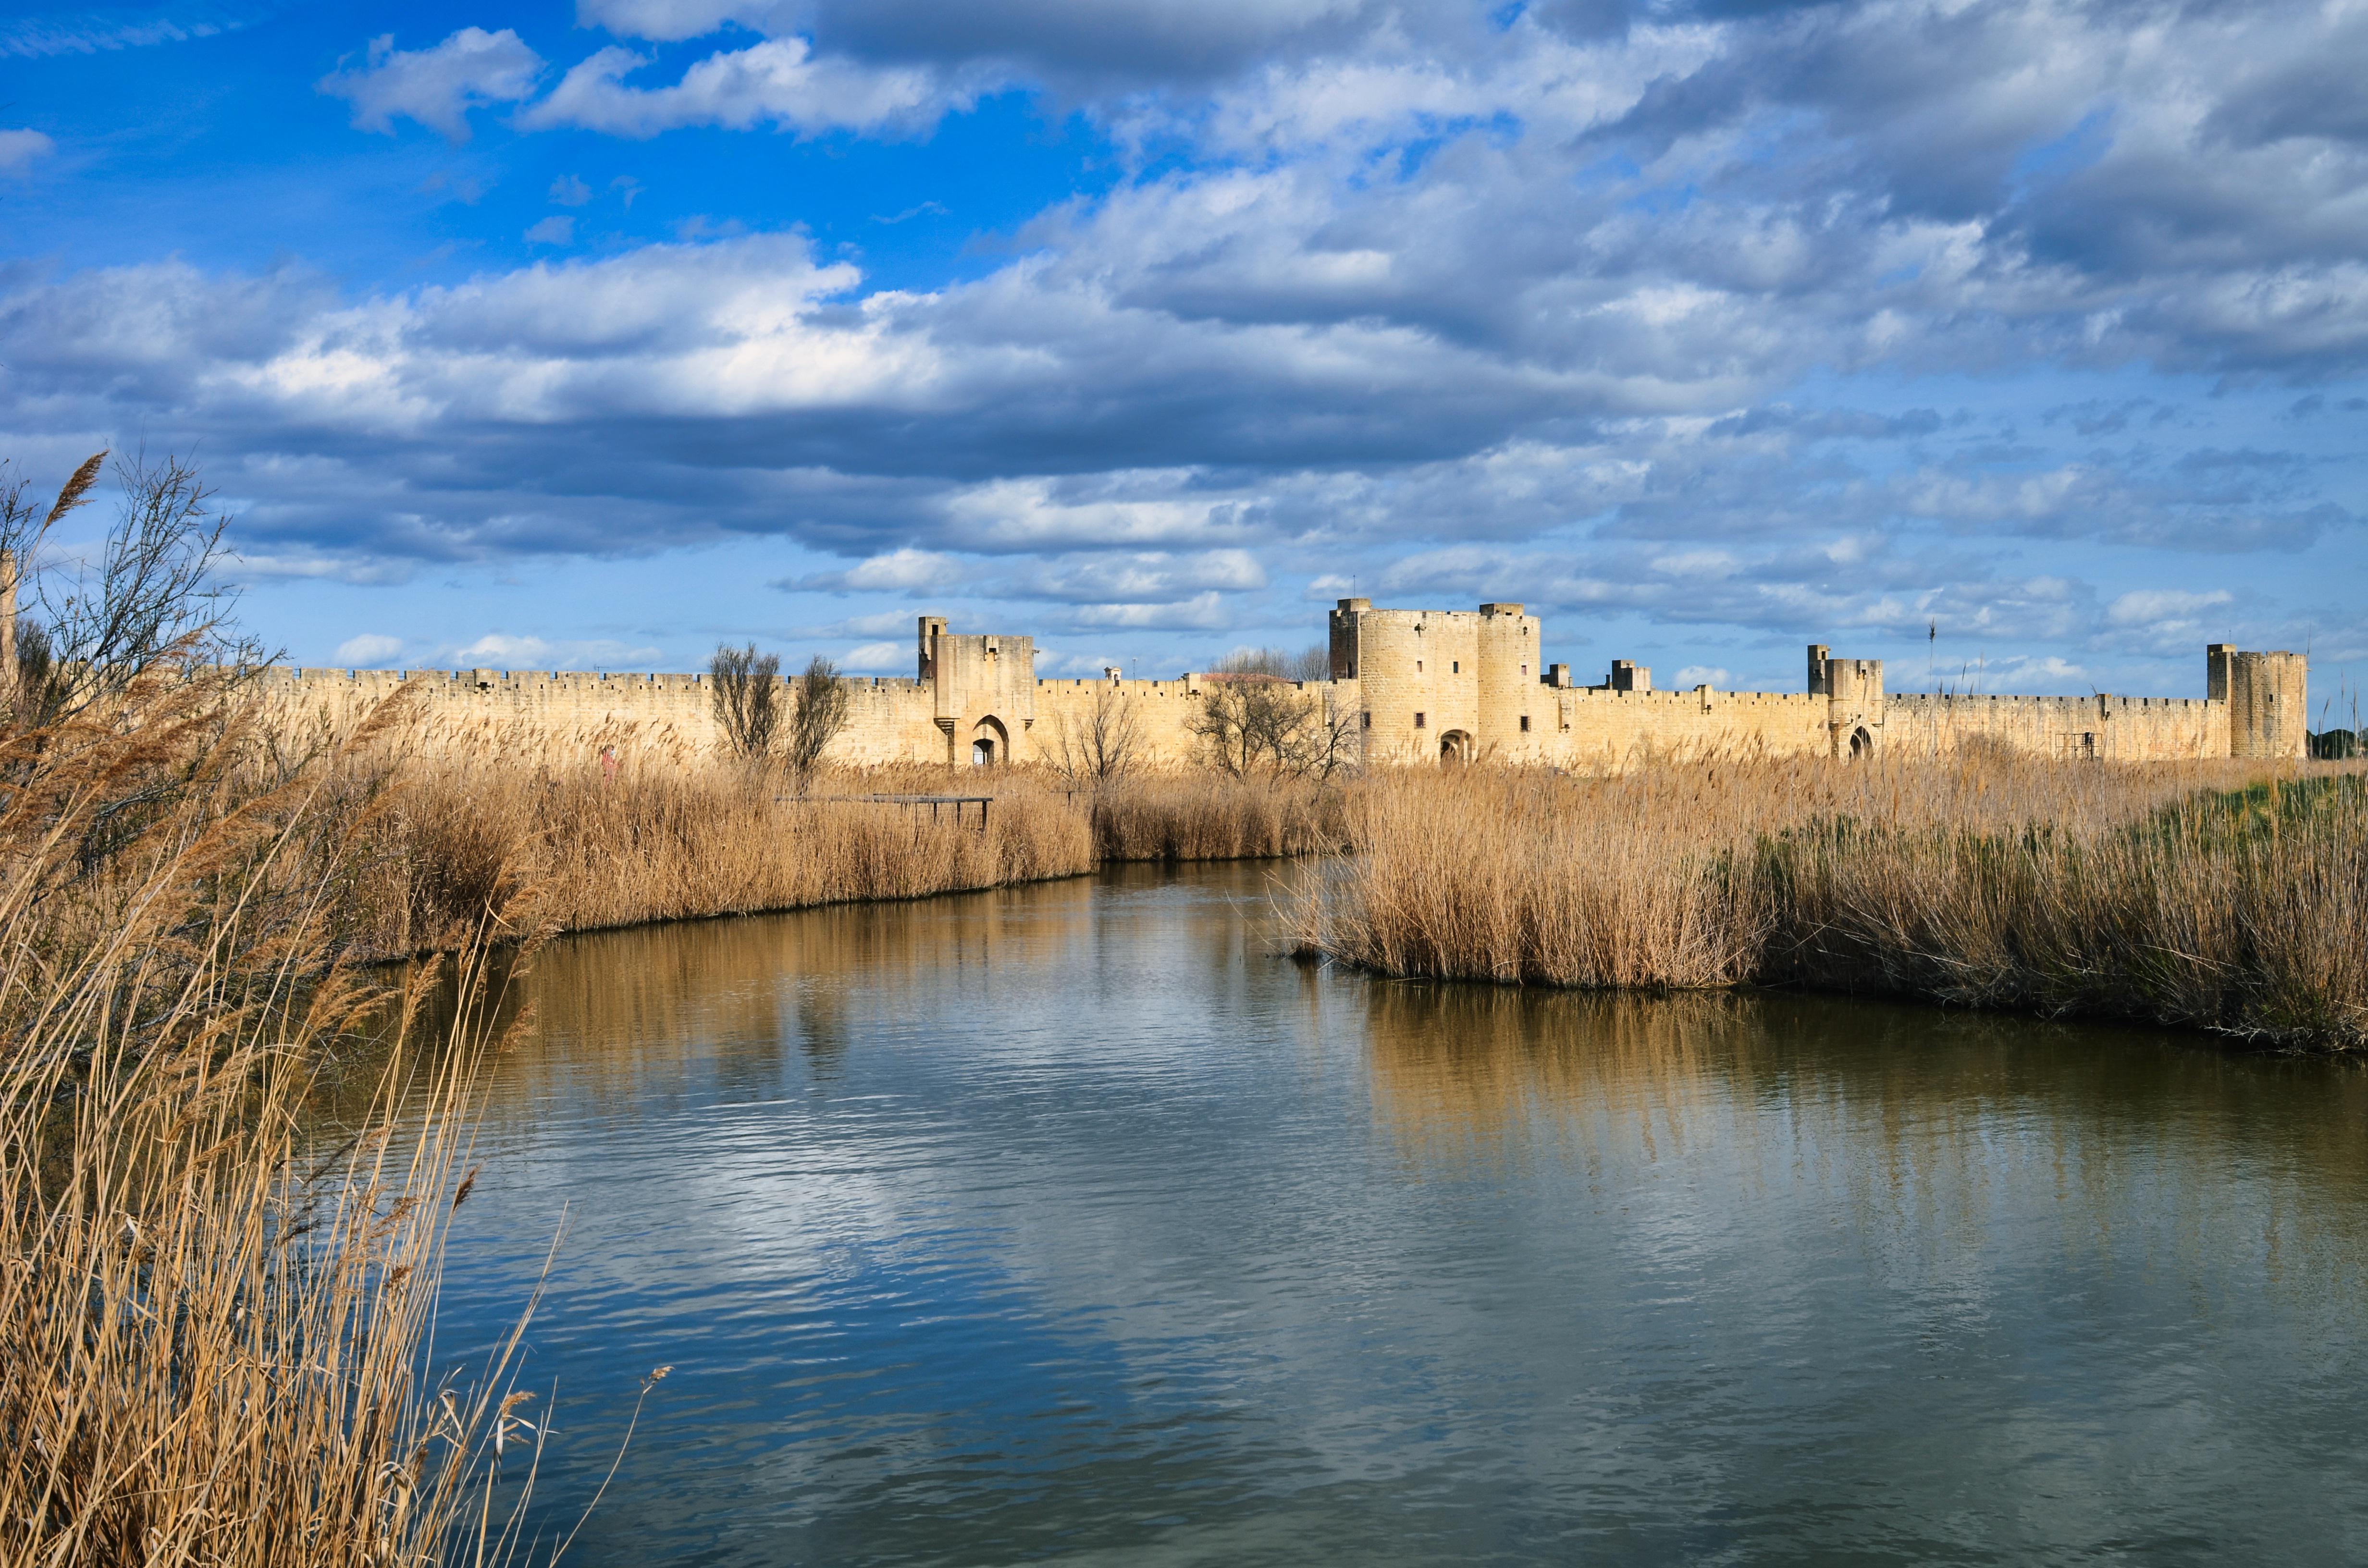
x=1756, y=317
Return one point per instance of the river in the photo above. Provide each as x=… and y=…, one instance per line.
x=1071, y=1223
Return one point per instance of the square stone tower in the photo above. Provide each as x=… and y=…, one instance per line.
x=2268, y=697
x=982, y=689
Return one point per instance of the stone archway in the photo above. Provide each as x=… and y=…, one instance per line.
x=1455, y=747
x=1862, y=744
x=990, y=744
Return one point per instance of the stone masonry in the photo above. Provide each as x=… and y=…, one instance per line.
x=1424, y=686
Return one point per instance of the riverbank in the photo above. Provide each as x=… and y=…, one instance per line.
x=2222, y=896
x=2226, y=897
x=609, y=845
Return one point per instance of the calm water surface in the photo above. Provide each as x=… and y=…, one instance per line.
x=1071, y=1224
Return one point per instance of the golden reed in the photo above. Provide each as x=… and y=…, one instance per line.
x=216, y=1297
x=2225, y=896
x=605, y=843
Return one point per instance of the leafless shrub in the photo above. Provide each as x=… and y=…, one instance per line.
x=1254, y=725
x=1101, y=747
x=820, y=715
x=744, y=685
x=150, y=598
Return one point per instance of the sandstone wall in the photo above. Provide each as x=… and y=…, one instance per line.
x=1415, y=679
x=1598, y=728
x=1161, y=712
x=2110, y=729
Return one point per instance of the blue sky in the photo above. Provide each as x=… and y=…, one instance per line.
x=2009, y=340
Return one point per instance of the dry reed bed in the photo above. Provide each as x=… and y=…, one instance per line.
x=2201, y=895
x=671, y=834
x=210, y=1343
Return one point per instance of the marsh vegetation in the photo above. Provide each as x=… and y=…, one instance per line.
x=2226, y=896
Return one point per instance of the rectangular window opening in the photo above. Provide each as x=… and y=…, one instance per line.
x=1456, y=667
x=1417, y=720
x=1525, y=723
x=1369, y=721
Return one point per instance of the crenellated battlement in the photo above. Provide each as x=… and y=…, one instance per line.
x=1422, y=684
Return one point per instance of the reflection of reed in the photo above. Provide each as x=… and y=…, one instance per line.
x=1461, y=1069
x=1926, y=1129
x=730, y=999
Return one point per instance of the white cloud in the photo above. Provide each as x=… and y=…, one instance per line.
x=1461, y=311
x=2148, y=606
x=1712, y=676
x=892, y=622
x=668, y=22
x=21, y=149
x=569, y=191
x=368, y=651
x=879, y=657
x=497, y=649
x=551, y=231
x=437, y=86
x=902, y=570
x=1203, y=612
x=779, y=83
x=1149, y=577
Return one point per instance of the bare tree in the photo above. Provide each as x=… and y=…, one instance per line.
x=820, y=715
x=1103, y=746
x=1329, y=744
x=1308, y=664
x=150, y=598
x=745, y=686
x=1256, y=716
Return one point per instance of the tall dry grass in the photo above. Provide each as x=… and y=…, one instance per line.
x=1207, y=816
x=212, y=1327
x=2204, y=895
x=661, y=834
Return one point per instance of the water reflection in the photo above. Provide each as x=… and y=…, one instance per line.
x=1072, y=1222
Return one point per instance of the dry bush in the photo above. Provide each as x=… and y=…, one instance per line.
x=1214, y=816
x=2194, y=894
x=211, y=1331
x=661, y=838
x=667, y=833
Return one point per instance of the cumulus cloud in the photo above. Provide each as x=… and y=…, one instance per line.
x=21, y=149
x=437, y=86
x=368, y=651
x=499, y=650
x=779, y=83
x=1201, y=612
x=1081, y=44
x=2148, y=607
x=1764, y=317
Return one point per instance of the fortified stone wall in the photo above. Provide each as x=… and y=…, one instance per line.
x=1608, y=727
x=2268, y=702
x=1423, y=684
x=2107, y=729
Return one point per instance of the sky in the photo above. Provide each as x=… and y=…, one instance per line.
x=2022, y=344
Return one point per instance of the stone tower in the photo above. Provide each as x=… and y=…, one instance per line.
x=983, y=690
x=1436, y=685
x=1854, y=706
x=2268, y=697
